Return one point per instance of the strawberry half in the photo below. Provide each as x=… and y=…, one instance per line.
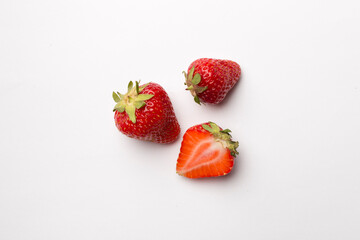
x=210, y=80
x=206, y=151
x=146, y=113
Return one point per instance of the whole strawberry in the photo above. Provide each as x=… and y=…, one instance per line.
x=146, y=113
x=209, y=80
x=206, y=151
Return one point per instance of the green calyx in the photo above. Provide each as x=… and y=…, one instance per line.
x=132, y=100
x=192, y=82
x=222, y=136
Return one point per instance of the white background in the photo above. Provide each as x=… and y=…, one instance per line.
x=67, y=173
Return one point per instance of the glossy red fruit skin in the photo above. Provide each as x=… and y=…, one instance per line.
x=199, y=128
x=155, y=122
x=218, y=75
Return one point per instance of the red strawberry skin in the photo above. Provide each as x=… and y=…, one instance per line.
x=155, y=122
x=219, y=76
x=201, y=155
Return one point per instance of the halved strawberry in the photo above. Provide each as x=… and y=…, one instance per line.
x=206, y=151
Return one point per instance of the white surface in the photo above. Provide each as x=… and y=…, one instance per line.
x=67, y=173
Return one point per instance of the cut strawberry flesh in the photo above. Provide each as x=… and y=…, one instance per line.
x=202, y=156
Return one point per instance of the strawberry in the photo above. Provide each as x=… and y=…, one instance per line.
x=146, y=113
x=206, y=151
x=209, y=80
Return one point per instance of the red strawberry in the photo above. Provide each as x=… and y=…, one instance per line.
x=146, y=113
x=206, y=151
x=209, y=80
